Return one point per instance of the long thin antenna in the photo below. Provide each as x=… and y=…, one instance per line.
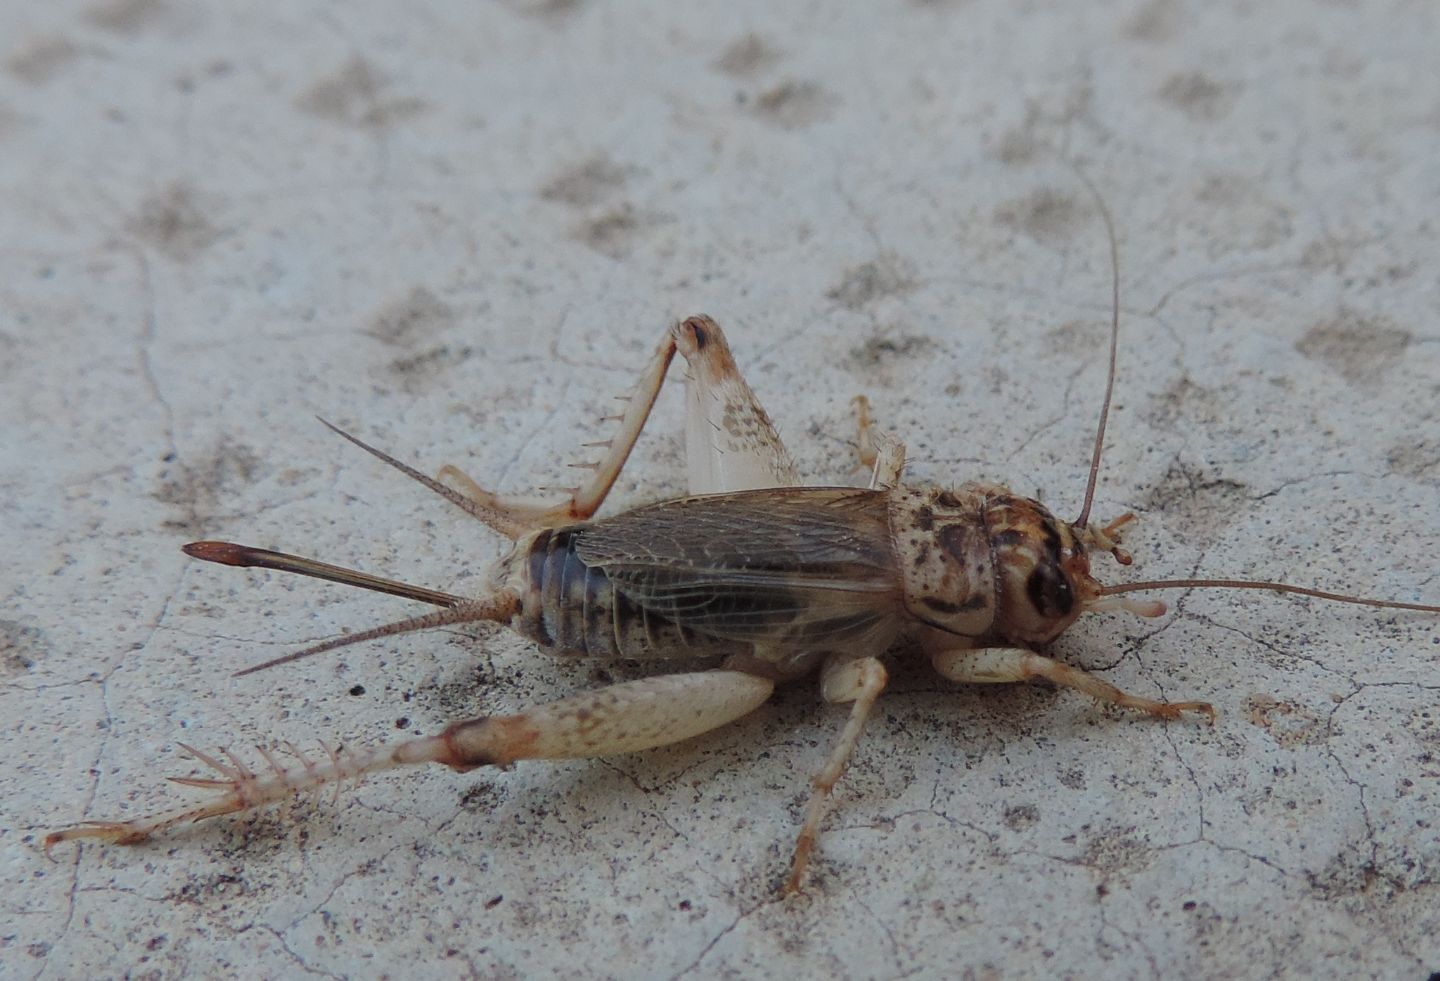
x=1274, y=587
x=1114, y=342
x=246, y=556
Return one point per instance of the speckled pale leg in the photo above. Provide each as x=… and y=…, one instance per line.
x=993, y=665
x=860, y=682
x=730, y=442
x=585, y=500
x=879, y=451
x=622, y=718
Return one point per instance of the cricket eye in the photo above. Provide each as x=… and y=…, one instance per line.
x=1050, y=591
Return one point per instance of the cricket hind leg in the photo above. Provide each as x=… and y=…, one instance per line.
x=999, y=665
x=730, y=442
x=858, y=681
x=621, y=718
x=585, y=499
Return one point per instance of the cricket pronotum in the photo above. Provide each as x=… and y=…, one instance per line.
x=773, y=579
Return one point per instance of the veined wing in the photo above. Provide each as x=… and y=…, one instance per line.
x=805, y=567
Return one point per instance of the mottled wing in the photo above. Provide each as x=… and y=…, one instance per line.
x=805, y=568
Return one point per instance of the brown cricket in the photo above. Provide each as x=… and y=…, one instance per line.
x=773, y=579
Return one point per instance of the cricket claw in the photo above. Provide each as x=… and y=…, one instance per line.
x=235, y=786
x=1174, y=710
x=113, y=832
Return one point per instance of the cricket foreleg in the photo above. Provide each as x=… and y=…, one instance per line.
x=878, y=451
x=992, y=665
x=586, y=499
x=730, y=442
x=622, y=718
x=858, y=681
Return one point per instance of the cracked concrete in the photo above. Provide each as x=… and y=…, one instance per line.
x=459, y=239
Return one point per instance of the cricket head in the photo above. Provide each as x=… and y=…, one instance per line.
x=1042, y=569
x=984, y=562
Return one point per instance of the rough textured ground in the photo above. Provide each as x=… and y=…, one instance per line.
x=458, y=231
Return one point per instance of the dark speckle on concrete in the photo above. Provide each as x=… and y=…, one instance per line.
x=175, y=222
x=1360, y=349
x=1197, y=95
x=794, y=104
x=747, y=55
x=357, y=94
x=1046, y=215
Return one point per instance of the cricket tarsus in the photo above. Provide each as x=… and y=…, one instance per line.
x=246, y=556
x=1274, y=587
x=239, y=788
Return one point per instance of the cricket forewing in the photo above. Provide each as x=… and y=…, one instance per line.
x=789, y=572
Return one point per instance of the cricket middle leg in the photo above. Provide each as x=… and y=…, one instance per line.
x=858, y=681
x=878, y=451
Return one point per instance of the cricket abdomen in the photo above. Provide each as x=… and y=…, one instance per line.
x=570, y=607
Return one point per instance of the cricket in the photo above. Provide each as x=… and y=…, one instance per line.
x=771, y=579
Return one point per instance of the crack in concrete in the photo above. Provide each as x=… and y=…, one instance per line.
x=889, y=822
x=710, y=944
x=1223, y=276
x=48, y=686
x=880, y=922
x=145, y=342
x=1310, y=478
x=295, y=956
x=1283, y=653
x=1131, y=936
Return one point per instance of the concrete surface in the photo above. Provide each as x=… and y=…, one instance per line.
x=458, y=229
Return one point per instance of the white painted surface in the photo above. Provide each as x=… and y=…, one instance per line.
x=458, y=231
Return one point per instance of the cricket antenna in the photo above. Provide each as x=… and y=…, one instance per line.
x=1274, y=587
x=1081, y=521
